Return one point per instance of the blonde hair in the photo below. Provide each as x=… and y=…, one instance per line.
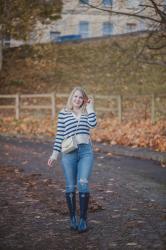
x=69, y=106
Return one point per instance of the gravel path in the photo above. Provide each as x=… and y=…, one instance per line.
x=127, y=208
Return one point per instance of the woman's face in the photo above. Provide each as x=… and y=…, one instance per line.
x=77, y=99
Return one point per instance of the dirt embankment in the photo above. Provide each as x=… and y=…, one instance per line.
x=102, y=66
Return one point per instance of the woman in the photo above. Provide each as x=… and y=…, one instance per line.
x=76, y=120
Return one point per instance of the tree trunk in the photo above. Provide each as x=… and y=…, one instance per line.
x=1, y=47
x=1, y=53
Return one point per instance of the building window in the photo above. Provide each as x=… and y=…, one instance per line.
x=107, y=3
x=54, y=35
x=131, y=27
x=6, y=41
x=164, y=4
x=141, y=25
x=133, y=3
x=82, y=2
x=84, y=29
x=107, y=29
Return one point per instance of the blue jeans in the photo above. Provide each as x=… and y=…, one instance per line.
x=77, y=166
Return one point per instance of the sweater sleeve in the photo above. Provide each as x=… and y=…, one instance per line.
x=60, y=133
x=92, y=122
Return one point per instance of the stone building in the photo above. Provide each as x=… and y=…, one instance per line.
x=80, y=21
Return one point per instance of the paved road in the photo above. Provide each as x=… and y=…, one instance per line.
x=127, y=209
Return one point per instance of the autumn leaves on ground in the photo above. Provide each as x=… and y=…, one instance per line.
x=109, y=130
x=103, y=68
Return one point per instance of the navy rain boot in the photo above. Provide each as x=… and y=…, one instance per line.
x=71, y=203
x=84, y=200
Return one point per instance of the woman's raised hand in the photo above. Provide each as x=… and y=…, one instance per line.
x=90, y=104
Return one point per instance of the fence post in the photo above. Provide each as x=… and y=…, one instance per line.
x=52, y=105
x=17, y=106
x=153, y=117
x=120, y=108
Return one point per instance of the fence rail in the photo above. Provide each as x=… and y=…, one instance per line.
x=18, y=106
x=116, y=104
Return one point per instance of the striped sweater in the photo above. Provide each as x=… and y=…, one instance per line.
x=67, y=125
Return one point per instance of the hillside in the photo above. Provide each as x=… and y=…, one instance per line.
x=103, y=66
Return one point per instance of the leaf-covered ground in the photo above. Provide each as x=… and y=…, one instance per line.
x=133, y=133
x=127, y=208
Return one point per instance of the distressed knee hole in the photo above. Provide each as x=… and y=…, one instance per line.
x=83, y=181
x=83, y=185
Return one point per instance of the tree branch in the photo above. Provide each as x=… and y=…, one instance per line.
x=147, y=61
x=122, y=13
x=158, y=11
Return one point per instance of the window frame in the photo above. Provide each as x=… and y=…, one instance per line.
x=107, y=5
x=110, y=24
x=131, y=25
x=54, y=32
x=80, y=33
x=83, y=3
x=132, y=5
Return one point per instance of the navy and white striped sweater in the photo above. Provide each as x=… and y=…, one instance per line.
x=67, y=125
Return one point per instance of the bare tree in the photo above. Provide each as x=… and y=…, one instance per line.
x=152, y=48
x=156, y=14
x=18, y=17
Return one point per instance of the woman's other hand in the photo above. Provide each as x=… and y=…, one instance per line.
x=50, y=163
x=53, y=159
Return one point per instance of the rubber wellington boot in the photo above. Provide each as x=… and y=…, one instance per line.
x=84, y=200
x=71, y=203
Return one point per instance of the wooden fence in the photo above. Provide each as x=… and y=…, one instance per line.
x=152, y=106
x=18, y=107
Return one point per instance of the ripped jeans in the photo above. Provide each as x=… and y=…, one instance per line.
x=77, y=166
